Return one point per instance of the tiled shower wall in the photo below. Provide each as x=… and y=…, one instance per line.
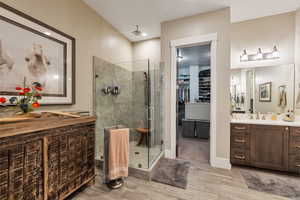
x=139, y=89
x=111, y=110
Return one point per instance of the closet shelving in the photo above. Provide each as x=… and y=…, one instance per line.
x=204, y=86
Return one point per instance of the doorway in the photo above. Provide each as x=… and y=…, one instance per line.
x=210, y=39
x=193, y=103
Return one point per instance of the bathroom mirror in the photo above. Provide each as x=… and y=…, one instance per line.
x=263, y=89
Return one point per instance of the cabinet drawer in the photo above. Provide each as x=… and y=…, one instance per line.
x=295, y=131
x=240, y=140
x=240, y=156
x=294, y=163
x=239, y=128
x=294, y=144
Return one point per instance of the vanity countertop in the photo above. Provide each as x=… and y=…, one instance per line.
x=265, y=122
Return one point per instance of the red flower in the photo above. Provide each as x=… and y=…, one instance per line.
x=26, y=90
x=36, y=105
x=39, y=88
x=2, y=100
x=21, y=93
x=19, y=88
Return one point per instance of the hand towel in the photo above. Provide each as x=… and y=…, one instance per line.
x=118, y=153
x=282, y=99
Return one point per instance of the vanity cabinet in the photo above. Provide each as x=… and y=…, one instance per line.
x=266, y=146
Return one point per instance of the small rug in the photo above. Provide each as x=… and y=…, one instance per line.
x=278, y=184
x=171, y=172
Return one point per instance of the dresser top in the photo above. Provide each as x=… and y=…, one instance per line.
x=40, y=124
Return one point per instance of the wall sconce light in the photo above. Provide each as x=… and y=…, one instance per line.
x=275, y=52
x=244, y=56
x=260, y=55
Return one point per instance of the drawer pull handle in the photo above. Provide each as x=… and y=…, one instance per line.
x=240, y=157
x=298, y=166
x=241, y=141
x=240, y=128
x=297, y=147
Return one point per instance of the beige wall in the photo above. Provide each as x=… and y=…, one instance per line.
x=94, y=37
x=297, y=57
x=207, y=23
x=147, y=49
x=264, y=33
x=297, y=39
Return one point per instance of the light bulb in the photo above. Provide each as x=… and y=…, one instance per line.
x=275, y=53
x=259, y=55
x=244, y=56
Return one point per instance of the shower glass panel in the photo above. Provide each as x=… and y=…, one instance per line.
x=136, y=105
x=156, y=115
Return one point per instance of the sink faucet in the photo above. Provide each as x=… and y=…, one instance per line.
x=257, y=115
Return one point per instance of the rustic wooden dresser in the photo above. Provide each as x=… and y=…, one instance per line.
x=46, y=159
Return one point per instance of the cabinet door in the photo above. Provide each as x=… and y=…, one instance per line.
x=21, y=171
x=269, y=147
x=70, y=160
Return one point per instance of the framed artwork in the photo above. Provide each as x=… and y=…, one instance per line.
x=37, y=52
x=265, y=92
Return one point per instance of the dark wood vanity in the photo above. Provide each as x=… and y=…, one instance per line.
x=46, y=159
x=266, y=146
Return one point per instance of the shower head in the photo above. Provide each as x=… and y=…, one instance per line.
x=137, y=32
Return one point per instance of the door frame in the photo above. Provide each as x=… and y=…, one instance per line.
x=193, y=41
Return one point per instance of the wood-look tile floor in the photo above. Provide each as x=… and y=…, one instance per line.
x=204, y=183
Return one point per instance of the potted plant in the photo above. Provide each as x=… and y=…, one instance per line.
x=28, y=98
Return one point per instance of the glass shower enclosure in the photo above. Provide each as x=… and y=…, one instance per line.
x=130, y=94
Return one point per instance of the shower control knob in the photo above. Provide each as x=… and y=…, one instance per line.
x=107, y=90
x=115, y=90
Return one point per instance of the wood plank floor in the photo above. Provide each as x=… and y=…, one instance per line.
x=204, y=183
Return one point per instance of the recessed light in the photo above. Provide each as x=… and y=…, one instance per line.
x=47, y=33
x=144, y=34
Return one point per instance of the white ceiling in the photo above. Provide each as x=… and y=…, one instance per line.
x=125, y=14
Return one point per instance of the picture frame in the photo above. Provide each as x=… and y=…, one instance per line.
x=36, y=52
x=265, y=92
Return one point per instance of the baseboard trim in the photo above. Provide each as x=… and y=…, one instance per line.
x=222, y=163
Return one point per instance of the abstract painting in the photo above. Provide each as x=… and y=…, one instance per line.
x=265, y=92
x=37, y=52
